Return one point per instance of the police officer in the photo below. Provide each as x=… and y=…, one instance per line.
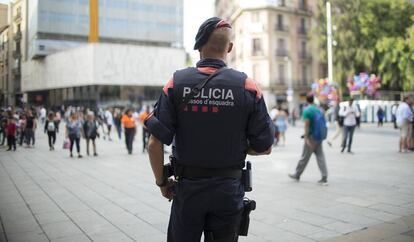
x=211, y=135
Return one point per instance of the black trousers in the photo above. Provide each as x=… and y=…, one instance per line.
x=30, y=136
x=11, y=141
x=72, y=141
x=209, y=205
x=129, y=138
x=52, y=138
x=145, y=138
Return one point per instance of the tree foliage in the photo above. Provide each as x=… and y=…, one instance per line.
x=374, y=36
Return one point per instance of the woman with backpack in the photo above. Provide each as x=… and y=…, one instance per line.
x=90, y=129
x=73, y=133
x=51, y=130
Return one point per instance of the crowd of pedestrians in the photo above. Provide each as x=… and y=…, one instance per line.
x=18, y=127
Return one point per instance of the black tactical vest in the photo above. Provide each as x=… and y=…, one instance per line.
x=211, y=129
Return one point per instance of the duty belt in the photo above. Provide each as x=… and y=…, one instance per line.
x=196, y=172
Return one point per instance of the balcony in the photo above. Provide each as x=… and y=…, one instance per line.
x=282, y=52
x=17, y=36
x=304, y=56
x=302, y=31
x=17, y=54
x=281, y=28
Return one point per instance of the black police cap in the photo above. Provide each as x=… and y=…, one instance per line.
x=207, y=28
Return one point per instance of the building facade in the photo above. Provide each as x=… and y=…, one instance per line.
x=4, y=36
x=272, y=43
x=140, y=46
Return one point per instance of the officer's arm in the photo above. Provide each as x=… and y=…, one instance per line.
x=260, y=130
x=156, y=156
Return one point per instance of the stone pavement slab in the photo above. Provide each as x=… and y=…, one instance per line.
x=48, y=196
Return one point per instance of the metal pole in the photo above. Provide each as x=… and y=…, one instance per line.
x=329, y=41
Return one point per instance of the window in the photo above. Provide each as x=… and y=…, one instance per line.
x=255, y=17
x=303, y=49
x=279, y=22
x=304, y=75
x=281, y=44
x=302, y=4
x=281, y=3
x=281, y=47
x=257, y=47
x=281, y=73
x=302, y=28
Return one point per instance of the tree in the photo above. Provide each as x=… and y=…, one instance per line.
x=374, y=36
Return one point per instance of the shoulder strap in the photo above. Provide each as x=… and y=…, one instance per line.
x=197, y=88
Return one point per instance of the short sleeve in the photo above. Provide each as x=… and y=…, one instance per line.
x=260, y=129
x=162, y=122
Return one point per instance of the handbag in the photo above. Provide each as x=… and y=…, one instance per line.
x=66, y=144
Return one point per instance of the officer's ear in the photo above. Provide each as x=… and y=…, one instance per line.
x=230, y=47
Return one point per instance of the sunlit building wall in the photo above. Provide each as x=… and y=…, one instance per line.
x=140, y=46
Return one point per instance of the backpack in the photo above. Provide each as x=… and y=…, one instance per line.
x=51, y=126
x=319, y=130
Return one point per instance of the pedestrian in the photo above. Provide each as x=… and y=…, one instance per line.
x=118, y=122
x=211, y=140
x=404, y=116
x=394, y=108
x=51, y=130
x=130, y=128
x=58, y=118
x=42, y=115
x=90, y=129
x=380, y=116
x=73, y=132
x=3, y=123
x=315, y=133
x=145, y=134
x=22, y=128
x=11, y=130
x=109, y=120
x=339, y=124
x=350, y=114
x=295, y=116
x=30, y=129
x=281, y=123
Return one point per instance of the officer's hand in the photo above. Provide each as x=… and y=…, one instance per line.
x=167, y=190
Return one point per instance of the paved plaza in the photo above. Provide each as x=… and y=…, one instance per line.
x=47, y=196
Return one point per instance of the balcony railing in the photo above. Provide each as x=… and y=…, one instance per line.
x=302, y=31
x=282, y=28
x=305, y=56
x=281, y=52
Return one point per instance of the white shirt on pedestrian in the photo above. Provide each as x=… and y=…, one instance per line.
x=404, y=114
x=109, y=118
x=43, y=113
x=350, y=114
